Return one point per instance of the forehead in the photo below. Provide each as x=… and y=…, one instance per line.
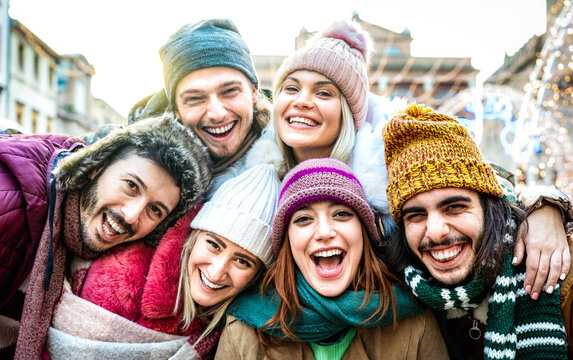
x=212, y=77
x=135, y=164
x=433, y=197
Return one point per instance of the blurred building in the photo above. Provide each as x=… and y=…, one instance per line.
x=43, y=91
x=393, y=71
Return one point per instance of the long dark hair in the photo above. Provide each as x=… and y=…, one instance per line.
x=498, y=214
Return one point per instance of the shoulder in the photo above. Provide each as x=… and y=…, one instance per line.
x=238, y=341
x=417, y=335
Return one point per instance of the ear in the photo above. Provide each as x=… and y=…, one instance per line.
x=177, y=115
x=254, y=94
x=95, y=172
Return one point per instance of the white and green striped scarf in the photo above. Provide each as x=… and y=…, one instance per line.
x=517, y=326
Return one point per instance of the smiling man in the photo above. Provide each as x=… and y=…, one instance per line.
x=455, y=240
x=211, y=86
x=61, y=199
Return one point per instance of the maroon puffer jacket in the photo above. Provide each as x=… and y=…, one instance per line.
x=26, y=162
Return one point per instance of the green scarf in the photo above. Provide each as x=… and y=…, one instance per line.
x=517, y=326
x=322, y=317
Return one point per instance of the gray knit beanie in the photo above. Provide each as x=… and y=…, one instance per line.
x=207, y=43
x=163, y=140
x=242, y=210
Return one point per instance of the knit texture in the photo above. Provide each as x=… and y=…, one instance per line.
x=322, y=317
x=426, y=150
x=340, y=53
x=517, y=326
x=242, y=210
x=204, y=44
x=316, y=180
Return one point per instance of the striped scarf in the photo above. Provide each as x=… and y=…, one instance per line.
x=517, y=326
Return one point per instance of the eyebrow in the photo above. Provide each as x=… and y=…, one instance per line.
x=454, y=199
x=322, y=82
x=224, y=246
x=144, y=186
x=447, y=201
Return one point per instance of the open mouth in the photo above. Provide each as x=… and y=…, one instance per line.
x=111, y=227
x=328, y=261
x=209, y=284
x=221, y=131
x=447, y=254
x=302, y=121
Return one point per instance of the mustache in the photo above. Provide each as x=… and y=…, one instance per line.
x=448, y=241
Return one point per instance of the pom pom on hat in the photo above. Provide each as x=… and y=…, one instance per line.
x=426, y=150
x=340, y=53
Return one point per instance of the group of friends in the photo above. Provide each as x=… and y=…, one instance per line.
x=317, y=222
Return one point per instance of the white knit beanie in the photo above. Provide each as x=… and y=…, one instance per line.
x=242, y=210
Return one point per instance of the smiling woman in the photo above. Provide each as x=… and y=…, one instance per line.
x=328, y=295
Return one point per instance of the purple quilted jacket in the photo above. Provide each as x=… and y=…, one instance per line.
x=25, y=165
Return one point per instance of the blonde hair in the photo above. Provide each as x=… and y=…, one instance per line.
x=189, y=309
x=344, y=142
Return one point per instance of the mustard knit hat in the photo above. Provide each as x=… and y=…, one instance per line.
x=426, y=150
x=340, y=53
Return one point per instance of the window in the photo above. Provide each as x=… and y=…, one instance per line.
x=21, y=56
x=49, y=124
x=34, y=121
x=36, y=65
x=20, y=113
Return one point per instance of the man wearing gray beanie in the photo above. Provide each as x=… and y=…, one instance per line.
x=211, y=86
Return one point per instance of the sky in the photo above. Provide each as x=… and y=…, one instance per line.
x=121, y=38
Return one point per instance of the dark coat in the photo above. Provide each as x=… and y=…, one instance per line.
x=26, y=162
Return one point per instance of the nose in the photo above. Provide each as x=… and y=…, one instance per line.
x=303, y=100
x=218, y=269
x=437, y=227
x=324, y=230
x=132, y=210
x=215, y=108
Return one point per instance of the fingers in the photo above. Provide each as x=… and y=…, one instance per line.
x=555, y=271
x=566, y=266
x=519, y=249
x=532, y=267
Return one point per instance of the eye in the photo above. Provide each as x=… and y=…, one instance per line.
x=232, y=91
x=301, y=219
x=324, y=93
x=193, y=100
x=156, y=212
x=131, y=187
x=413, y=217
x=343, y=214
x=455, y=208
x=289, y=88
x=243, y=263
x=213, y=245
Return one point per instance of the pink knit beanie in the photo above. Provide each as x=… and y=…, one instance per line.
x=341, y=54
x=316, y=180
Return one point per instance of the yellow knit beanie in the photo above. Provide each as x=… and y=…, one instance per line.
x=426, y=150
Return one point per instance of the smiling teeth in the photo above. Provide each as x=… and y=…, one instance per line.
x=210, y=284
x=115, y=225
x=302, y=120
x=220, y=130
x=446, y=255
x=328, y=253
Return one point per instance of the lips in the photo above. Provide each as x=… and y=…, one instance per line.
x=296, y=120
x=220, y=131
x=328, y=263
x=209, y=284
x=111, y=227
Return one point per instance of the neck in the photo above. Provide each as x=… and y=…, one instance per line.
x=301, y=155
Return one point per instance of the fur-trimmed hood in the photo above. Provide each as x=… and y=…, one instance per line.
x=165, y=141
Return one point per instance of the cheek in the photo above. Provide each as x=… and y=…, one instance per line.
x=242, y=279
